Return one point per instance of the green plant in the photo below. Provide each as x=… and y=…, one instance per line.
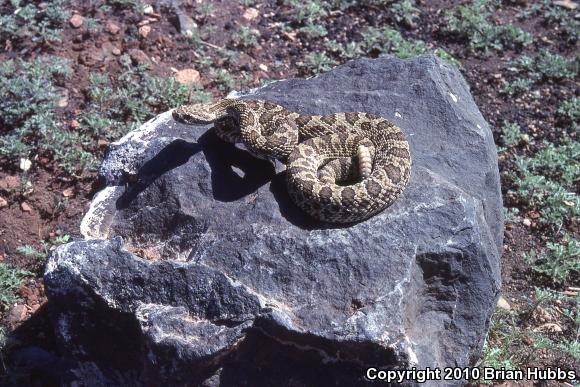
x=211, y=29
x=518, y=87
x=554, y=202
x=57, y=207
x=349, y=51
x=558, y=162
x=391, y=41
x=404, y=11
x=571, y=111
x=564, y=20
x=503, y=338
x=125, y=4
x=374, y=40
x=513, y=37
x=34, y=22
x=511, y=133
x=232, y=56
x=447, y=57
x=512, y=343
x=511, y=215
x=29, y=93
x=388, y=40
x=205, y=61
x=542, y=67
x=61, y=239
x=308, y=14
x=554, y=66
x=31, y=251
x=10, y=279
x=308, y=11
x=206, y=9
x=558, y=260
x=549, y=66
x=545, y=182
x=195, y=39
x=560, y=20
x=318, y=62
x=45, y=247
x=92, y=25
x=471, y=23
x=246, y=37
x=314, y=30
x=124, y=103
x=567, y=308
x=571, y=348
x=223, y=79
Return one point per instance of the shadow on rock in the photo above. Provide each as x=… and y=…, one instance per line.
x=30, y=355
x=283, y=365
x=172, y=156
x=224, y=158
x=228, y=185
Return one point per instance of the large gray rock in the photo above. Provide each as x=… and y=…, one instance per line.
x=199, y=270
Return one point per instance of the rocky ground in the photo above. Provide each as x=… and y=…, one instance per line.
x=75, y=76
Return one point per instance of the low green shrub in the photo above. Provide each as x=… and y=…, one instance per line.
x=558, y=260
x=122, y=103
x=31, y=21
x=10, y=280
x=29, y=93
x=471, y=23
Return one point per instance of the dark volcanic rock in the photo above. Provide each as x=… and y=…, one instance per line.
x=201, y=271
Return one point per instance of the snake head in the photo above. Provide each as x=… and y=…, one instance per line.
x=195, y=114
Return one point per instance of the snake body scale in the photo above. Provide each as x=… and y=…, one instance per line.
x=341, y=168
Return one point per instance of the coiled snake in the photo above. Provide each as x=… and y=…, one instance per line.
x=341, y=168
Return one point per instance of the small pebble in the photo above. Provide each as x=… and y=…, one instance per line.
x=148, y=9
x=62, y=101
x=549, y=327
x=187, y=76
x=138, y=56
x=502, y=303
x=112, y=28
x=250, y=14
x=102, y=142
x=186, y=24
x=566, y=4
x=25, y=164
x=76, y=20
x=144, y=31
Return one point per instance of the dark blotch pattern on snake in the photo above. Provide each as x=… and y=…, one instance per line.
x=341, y=168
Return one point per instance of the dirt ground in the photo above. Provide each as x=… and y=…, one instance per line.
x=56, y=201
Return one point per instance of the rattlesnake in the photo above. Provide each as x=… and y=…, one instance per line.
x=341, y=167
